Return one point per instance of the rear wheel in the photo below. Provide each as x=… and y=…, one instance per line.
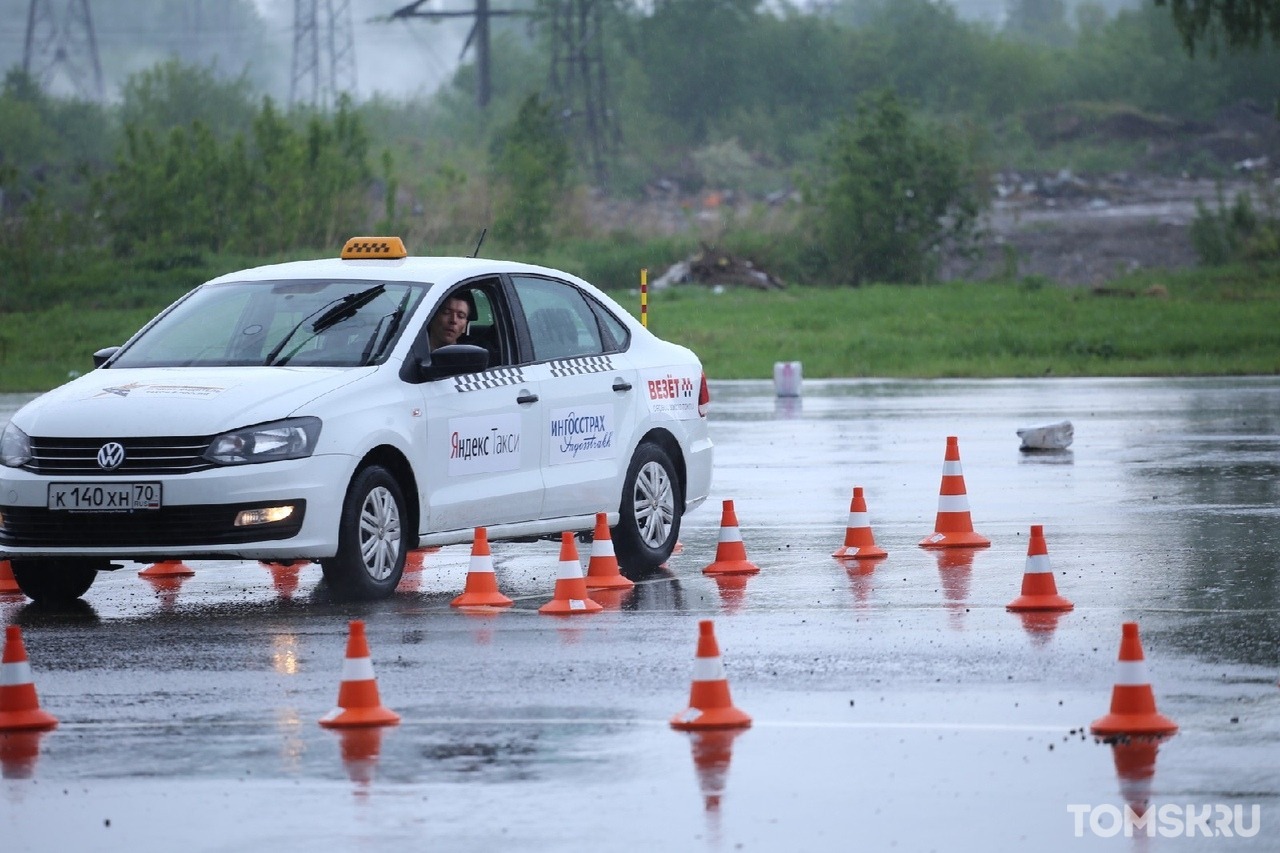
x=55, y=580
x=371, y=541
x=649, y=515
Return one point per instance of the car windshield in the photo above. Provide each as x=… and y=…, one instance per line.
x=313, y=323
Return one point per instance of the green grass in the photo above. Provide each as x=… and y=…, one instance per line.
x=1200, y=323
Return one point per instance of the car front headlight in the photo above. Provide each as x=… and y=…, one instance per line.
x=15, y=447
x=291, y=439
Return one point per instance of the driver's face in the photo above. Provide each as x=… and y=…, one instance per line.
x=449, y=323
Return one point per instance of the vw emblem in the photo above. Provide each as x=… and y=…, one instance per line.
x=111, y=456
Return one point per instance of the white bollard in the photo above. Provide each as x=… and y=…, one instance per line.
x=787, y=378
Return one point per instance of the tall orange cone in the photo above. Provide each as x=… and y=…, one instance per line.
x=570, y=596
x=481, y=589
x=602, y=567
x=859, y=542
x=167, y=569
x=1039, y=592
x=709, y=704
x=953, y=527
x=731, y=554
x=1133, y=703
x=19, y=706
x=358, y=701
x=8, y=583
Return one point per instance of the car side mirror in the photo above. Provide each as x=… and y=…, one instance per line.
x=453, y=360
x=103, y=355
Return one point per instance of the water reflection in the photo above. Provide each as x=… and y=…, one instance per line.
x=19, y=752
x=712, y=752
x=955, y=568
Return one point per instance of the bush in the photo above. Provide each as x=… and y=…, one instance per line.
x=1240, y=231
x=890, y=192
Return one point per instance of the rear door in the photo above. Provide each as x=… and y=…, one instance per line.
x=588, y=388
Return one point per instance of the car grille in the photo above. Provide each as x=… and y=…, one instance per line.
x=79, y=456
x=185, y=526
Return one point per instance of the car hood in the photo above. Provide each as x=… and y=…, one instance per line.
x=177, y=401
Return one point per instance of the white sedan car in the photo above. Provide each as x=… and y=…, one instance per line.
x=347, y=411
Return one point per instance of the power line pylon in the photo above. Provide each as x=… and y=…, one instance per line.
x=324, y=54
x=579, y=81
x=479, y=36
x=63, y=42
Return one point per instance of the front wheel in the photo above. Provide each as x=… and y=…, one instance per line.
x=55, y=580
x=371, y=539
x=649, y=516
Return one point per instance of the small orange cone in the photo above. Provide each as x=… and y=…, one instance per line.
x=731, y=554
x=167, y=569
x=19, y=705
x=8, y=583
x=570, y=596
x=1133, y=703
x=358, y=702
x=953, y=527
x=709, y=704
x=1039, y=592
x=481, y=589
x=859, y=542
x=602, y=568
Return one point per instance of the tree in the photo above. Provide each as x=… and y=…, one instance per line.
x=1242, y=23
x=530, y=160
x=892, y=189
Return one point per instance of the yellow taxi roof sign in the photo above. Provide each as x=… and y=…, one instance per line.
x=378, y=248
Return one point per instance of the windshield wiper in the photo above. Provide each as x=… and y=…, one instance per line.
x=396, y=317
x=331, y=314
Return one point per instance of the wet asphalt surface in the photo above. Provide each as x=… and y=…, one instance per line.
x=896, y=705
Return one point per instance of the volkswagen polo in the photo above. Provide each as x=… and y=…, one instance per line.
x=309, y=411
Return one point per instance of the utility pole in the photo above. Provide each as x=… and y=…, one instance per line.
x=579, y=81
x=479, y=35
x=63, y=42
x=324, y=56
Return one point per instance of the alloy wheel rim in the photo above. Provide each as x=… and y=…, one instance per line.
x=379, y=533
x=655, y=504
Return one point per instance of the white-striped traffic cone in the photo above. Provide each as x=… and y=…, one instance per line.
x=731, y=553
x=19, y=705
x=1133, y=702
x=1039, y=592
x=953, y=527
x=710, y=706
x=570, y=597
x=859, y=542
x=481, y=589
x=358, y=700
x=602, y=567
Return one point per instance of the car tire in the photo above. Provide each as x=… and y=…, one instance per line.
x=55, y=580
x=372, y=545
x=649, y=515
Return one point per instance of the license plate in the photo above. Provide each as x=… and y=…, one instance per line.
x=104, y=497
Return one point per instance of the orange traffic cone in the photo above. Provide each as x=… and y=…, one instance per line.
x=709, y=704
x=358, y=702
x=602, y=568
x=8, y=583
x=954, y=526
x=19, y=705
x=570, y=596
x=731, y=554
x=859, y=543
x=167, y=569
x=1039, y=592
x=1133, y=703
x=481, y=589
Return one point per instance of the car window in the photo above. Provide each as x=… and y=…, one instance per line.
x=561, y=323
x=615, y=335
x=314, y=322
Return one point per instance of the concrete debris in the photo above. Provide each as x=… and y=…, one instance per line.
x=713, y=267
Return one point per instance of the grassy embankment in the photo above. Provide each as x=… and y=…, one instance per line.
x=1194, y=323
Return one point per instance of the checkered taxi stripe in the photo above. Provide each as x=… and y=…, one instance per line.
x=495, y=378
x=582, y=365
